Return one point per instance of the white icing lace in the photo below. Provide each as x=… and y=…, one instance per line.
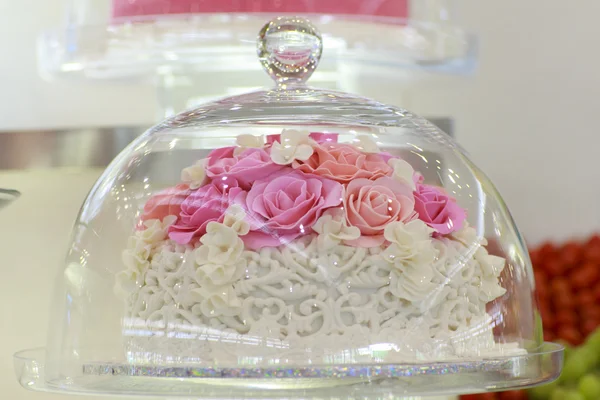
x=412, y=299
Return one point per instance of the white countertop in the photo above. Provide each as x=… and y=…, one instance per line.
x=41, y=220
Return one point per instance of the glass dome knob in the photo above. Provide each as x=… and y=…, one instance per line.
x=289, y=48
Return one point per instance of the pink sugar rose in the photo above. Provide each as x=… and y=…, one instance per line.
x=344, y=163
x=164, y=203
x=286, y=206
x=247, y=167
x=204, y=205
x=438, y=210
x=371, y=205
x=318, y=137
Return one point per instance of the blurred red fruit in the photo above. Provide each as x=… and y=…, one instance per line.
x=570, y=334
x=513, y=395
x=592, y=254
x=548, y=336
x=479, y=396
x=585, y=299
x=585, y=276
x=570, y=254
x=594, y=241
x=547, y=317
x=553, y=267
x=589, y=325
x=560, y=285
x=590, y=313
x=565, y=317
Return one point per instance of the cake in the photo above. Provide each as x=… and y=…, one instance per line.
x=296, y=247
x=137, y=8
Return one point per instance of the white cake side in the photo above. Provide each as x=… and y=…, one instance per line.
x=312, y=301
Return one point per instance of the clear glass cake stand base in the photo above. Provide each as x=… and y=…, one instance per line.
x=376, y=381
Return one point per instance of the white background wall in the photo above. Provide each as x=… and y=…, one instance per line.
x=529, y=117
x=30, y=102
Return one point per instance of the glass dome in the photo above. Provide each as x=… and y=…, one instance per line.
x=293, y=243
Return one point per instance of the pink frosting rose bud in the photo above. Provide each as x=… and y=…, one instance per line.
x=344, y=163
x=202, y=206
x=252, y=164
x=286, y=206
x=371, y=205
x=438, y=210
x=318, y=137
x=164, y=203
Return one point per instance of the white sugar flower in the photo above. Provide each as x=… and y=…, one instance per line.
x=411, y=244
x=408, y=289
x=412, y=253
x=295, y=145
x=153, y=233
x=403, y=172
x=220, y=245
x=420, y=270
x=247, y=141
x=333, y=230
x=127, y=282
x=491, y=266
x=135, y=256
x=217, y=275
x=156, y=230
x=366, y=144
x=407, y=234
x=195, y=175
x=216, y=301
x=168, y=221
x=419, y=254
x=490, y=290
x=133, y=261
x=235, y=218
x=468, y=236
